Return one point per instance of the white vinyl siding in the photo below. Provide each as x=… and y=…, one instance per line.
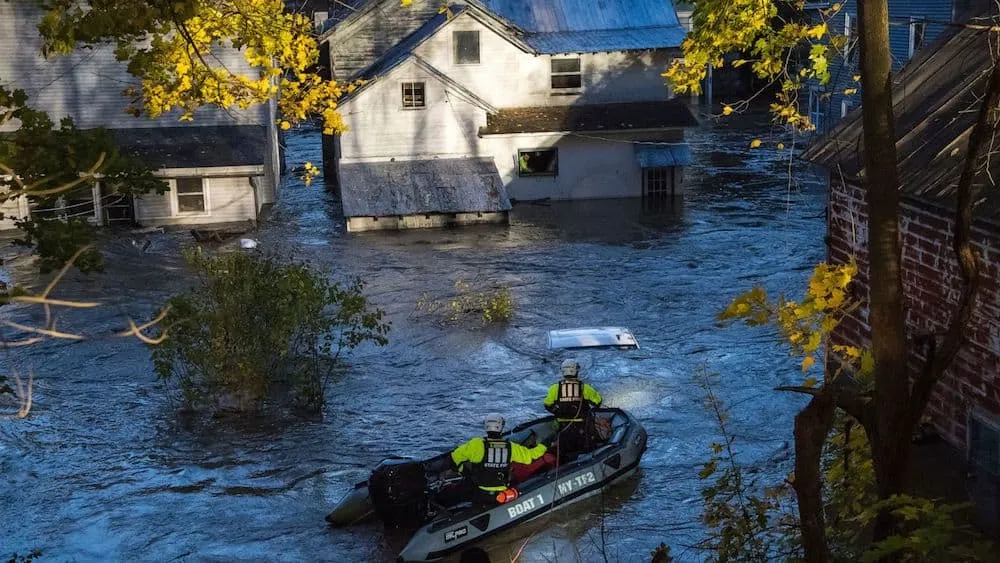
x=509, y=77
x=227, y=200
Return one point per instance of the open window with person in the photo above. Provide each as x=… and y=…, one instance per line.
x=537, y=162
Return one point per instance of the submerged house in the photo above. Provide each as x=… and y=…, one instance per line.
x=222, y=168
x=464, y=109
x=936, y=99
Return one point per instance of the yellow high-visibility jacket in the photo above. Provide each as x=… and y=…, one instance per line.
x=473, y=451
x=589, y=394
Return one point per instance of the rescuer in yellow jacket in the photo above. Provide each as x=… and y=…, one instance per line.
x=571, y=401
x=487, y=461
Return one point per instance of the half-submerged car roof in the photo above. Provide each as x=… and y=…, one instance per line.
x=593, y=337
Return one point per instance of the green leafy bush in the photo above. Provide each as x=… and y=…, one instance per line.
x=479, y=301
x=256, y=329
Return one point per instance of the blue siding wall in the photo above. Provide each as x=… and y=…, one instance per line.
x=901, y=12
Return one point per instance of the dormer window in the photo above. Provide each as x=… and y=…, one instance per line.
x=566, y=75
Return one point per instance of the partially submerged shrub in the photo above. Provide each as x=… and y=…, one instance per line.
x=482, y=302
x=255, y=329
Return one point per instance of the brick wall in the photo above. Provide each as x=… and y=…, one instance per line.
x=931, y=284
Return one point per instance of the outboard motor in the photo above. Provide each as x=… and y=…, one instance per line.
x=398, y=491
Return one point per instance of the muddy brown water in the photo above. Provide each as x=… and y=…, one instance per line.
x=104, y=469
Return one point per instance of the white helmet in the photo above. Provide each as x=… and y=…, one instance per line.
x=570, y=368
x=494, y=423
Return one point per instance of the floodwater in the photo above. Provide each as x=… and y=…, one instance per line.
x=104, y=469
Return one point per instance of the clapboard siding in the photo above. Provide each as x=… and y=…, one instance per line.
x=901, y=12
x=380, y=127
x=366, y=36
x=229, y=200
x=510, y=77
x=87, y=84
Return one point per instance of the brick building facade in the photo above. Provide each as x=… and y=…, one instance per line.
x=936, y=100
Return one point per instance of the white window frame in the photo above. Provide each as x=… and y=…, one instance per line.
x=553, y=74
x=849, y=47
x=987, y=421
x=454, y=47
x=818, y=115
x=402, y=93
x=175, y=204
x=914, y=23
x=844, y=108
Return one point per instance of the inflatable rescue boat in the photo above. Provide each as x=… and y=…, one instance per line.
x=403, y=492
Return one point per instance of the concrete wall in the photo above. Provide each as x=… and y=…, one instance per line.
x=227, y=200
x=509, y=77
x=931, y=286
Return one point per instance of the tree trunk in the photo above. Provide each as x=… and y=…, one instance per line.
x=889, y=440
x=811, y=428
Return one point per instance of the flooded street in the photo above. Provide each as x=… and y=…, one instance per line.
x=105, y=469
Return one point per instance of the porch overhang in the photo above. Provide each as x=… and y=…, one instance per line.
x=663, y=156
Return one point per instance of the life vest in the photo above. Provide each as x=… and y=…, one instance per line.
x=493, y=471
x=570, y=404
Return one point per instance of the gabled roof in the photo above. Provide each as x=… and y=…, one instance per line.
x=936, y=98
x=413, y=187
x=384, y=70
x=615, y=117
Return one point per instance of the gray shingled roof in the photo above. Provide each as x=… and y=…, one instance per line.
x=936, y=98
x=195, y=146
x=413, y=187
x=622, y=116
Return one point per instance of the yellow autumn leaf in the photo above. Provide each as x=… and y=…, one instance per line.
x=755, y=143
x=727, y=110
x=781, y=146
x=817, y=31
x=739, y=62
x=807, y=363
x=850, y=91
x=856, y=78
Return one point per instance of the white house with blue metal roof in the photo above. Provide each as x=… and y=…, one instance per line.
x=222, y=168
x=565, y=98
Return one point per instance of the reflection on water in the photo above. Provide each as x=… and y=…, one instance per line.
x=106, y=469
